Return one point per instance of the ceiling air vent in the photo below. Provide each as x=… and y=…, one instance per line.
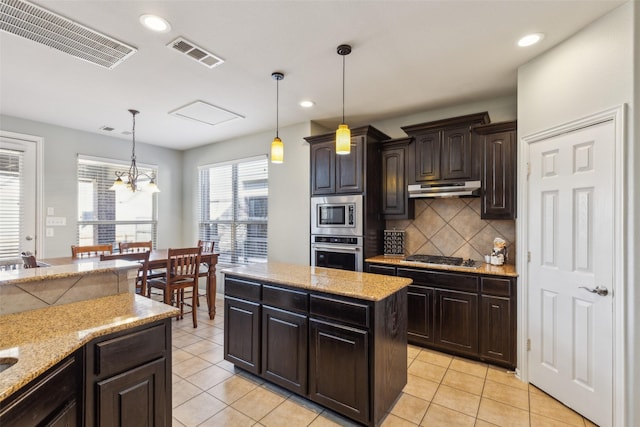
x=196, y=53
x=34, y=23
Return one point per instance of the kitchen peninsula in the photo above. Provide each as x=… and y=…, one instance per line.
x=336, y=337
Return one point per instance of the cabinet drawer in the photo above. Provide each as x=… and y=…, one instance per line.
x=495, y=286
x=285, y=298
x=453, y=281
x=244, y=289
x=382, y=269
x=340, y=310
x=128, y=351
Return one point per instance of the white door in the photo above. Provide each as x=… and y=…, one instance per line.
x=571, y=241
x=18, y=194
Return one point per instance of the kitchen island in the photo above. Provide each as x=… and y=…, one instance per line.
x=335, y=337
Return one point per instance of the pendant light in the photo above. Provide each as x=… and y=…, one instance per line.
x=343, y=134
x=277, y=148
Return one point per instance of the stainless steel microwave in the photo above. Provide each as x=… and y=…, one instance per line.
x=337, y=215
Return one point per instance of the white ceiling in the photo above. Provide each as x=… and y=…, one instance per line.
x=407, y=56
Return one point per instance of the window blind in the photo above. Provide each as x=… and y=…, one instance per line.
x=232, y=209
x=106, y=216
x=11, y=183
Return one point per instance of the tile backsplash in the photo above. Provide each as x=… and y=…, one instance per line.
x=453, y=227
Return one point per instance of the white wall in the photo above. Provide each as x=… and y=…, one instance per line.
x=588, y=73
x=60, y=149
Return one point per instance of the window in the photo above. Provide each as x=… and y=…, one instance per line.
x=11, y=170
x=233, y=209
x=106, y=216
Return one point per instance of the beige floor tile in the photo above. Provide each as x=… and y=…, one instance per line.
x=545, y=405
x=506, y=394
x=427, y=371
x=331, y=419
x=232, y=389
x=435, y=358
x=228, y=417
x=410, y=408
x=218, y=339
x=464, y=382
x=419, y=387
x=197, y=410
x=182, y=391
x=201, y=346
x=295, y=415
x=535, y=390
x=588, y=423
x=393, y=421
x=506, y=377
x=176, y=423
x=185, y=340
x=258, y=403
x=439, y=416
x=214, y=355
x=209, y=377
x=471, y=367
x=457, y=400
x=540, y=421
x=227, y=366
x=482, y=423
x=502, y=415
x=413, y=351
x=190, y=367
x=205, y=331
x=179, y=355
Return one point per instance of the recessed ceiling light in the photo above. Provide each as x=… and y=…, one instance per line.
x=530, y=39
x=307, y=104
x=155, y=23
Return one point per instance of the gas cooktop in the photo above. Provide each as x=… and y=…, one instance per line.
x=443, y=260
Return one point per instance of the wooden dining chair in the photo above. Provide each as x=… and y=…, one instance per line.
x=207, y=246
x=90, y=251
x=29, y=260
x=143, y=259
x=127, y=247
x=181, y=280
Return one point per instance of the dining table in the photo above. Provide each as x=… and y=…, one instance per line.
x=158, y=260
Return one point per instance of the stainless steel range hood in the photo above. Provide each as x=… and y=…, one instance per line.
x=448, y=189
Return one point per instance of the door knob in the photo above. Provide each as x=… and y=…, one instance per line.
x=602, y=291
x=29, y=238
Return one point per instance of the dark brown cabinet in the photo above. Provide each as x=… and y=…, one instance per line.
x=333, y=173
x=468, y=314
x=242, y=309
x=443, y=149
x=395, y=200
x=128, y=377
x=498, y=147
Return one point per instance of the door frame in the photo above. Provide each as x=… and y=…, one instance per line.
x=618, y=115
x=38, y=141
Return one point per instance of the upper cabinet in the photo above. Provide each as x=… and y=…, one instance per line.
x=395, y=200
x=443, y=149
x=333, y=173
x=498, y=146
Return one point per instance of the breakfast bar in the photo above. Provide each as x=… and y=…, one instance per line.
x=335, y=337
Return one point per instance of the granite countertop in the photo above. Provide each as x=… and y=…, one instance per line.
x=23, y=275
x=41, y=338
x=495, y=270
x=366, y=286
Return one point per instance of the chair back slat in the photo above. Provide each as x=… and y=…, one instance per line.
x=184, y=263
x=128, y=247
x=90, y=251
x=206, y=245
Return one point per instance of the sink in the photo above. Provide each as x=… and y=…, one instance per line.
x=7, y=362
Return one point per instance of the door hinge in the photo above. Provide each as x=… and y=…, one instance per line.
x=528, y=344
x=528, y=256
x=528, y=170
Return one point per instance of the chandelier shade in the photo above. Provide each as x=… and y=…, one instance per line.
x=277, y=147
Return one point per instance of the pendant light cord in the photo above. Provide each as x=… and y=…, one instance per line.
x=277, y=106
x=133, y=133
x=343, y=72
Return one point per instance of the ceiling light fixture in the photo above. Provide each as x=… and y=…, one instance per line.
x=343, y=134
x=277, y=148
x=133, y=173
x=155, y=23
x=530, y=39
x=307, y=104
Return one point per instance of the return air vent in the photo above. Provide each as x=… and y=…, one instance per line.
x=196, y=53
x=37, y=24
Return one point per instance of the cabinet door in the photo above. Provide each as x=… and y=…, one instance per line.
x=395, y=201
x=349, y=170
x=284, y=353
x=456, y=154
x=456, y=321
x=496, y=340
x=498, y=176
x=323, y=168
x=242, y=334
x=338, y=369
x=135, y=398
x=426, y=159
x=420, y=315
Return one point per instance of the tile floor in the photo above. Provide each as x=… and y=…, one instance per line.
x=441, y=391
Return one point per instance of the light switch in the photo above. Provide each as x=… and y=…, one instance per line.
x=50, y=232
x=51, y=211
x=53, y=221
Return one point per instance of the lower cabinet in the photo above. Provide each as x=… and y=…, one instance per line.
x=468, y=314
x=346, y=354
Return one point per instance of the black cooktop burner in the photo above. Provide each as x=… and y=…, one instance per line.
x=442, y=260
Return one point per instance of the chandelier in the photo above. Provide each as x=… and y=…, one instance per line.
x=133, y=173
